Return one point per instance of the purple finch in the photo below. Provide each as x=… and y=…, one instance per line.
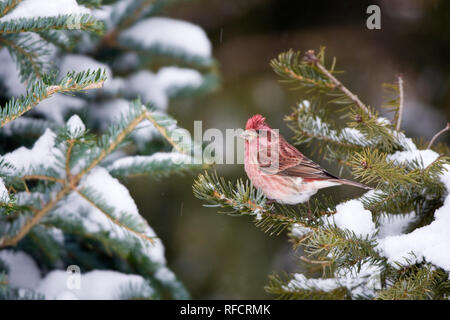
x=282, y=172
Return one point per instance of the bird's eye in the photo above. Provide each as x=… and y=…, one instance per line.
x=262, y=132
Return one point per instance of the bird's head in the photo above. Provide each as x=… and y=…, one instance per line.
x=254, y=126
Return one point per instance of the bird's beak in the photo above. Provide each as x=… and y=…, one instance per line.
x=249, y=134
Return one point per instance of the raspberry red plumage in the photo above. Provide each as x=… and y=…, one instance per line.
x=282, y=172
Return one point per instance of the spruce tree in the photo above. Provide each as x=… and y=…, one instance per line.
x=390, y=243
x=85, y=87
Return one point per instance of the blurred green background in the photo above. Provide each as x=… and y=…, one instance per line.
x=217, y=256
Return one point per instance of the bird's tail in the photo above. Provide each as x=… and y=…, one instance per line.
x=351, y=183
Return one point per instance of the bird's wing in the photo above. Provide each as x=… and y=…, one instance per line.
x=292, y=162
x=308, y=169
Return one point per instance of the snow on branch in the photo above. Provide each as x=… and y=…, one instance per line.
x=41, y=90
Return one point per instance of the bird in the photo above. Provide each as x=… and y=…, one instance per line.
x=279, y=169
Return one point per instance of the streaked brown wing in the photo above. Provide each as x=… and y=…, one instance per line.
x=308, y=169
x=293, y=163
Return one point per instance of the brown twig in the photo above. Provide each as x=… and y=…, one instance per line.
x=401, y=102
x=311, y=57
x=41, y=177
x=438, y=134
x=321, y=262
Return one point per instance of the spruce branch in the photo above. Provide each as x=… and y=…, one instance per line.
x=242, y=199
x=36, y=218
x=72, y=184
x=7, y=6
x=107, y=144
x=373, y=166
x=83, y=22
x=59, y=38
x=311, y=57
x=29, y=55
x=157, y=165
x=286, y=288
x=40, y=90
x=134, y=10
x=417, y=283
x=163, y=130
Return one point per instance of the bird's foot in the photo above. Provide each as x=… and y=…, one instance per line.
x=271, y=203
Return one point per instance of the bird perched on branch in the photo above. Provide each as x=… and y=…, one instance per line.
x=282, y=172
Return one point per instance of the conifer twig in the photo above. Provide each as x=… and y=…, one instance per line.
x=438, y=134
x=9, y=6
x=42, y=177
x=321, y=262
x=163, y=132
x=401, y=103
x=50, y=90
x=12, y=241
x=311, y=57
x=114, y=220
x=29, y=55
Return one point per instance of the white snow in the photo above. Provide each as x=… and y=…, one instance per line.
x=57, y=106
x=394, y=224
x=425, y=157
x=43, y=153
x=23, y=271
x=10, y=75
x=165, y=275
x=78, y=63
x=384, y=121
x=174, y=78
x=145, y=84
x=402, y=140
x=299, y=231
x=174, y=157
x=44, y=8
x=170, y=34
x=351, y=215
x=4, y=195
x=117, y=197
x=364, y=282
x=431, y=242
x=75, y=126
x=94, y=285
x=301, y=282
x=157, y=88
x=353, y=135
x=305, y=104
x=108, y=112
